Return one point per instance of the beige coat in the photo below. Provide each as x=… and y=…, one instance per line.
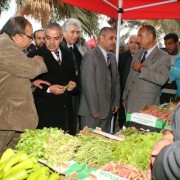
x=17, y=109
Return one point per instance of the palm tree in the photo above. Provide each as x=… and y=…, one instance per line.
x=162, y=26
x=54, y=10
x=165, y=26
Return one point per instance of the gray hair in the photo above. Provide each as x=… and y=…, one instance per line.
x=71, y=21
x=53, y=25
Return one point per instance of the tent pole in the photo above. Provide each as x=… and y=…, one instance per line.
x=117, y=50
x=118, y=31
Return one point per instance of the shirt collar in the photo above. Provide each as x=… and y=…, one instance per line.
x=60, y=54
x=150, y=50
x=70, y=45
x=103, y=51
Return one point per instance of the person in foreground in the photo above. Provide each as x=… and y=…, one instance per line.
x=165, y=156
x=100, y=97
x=17, y=108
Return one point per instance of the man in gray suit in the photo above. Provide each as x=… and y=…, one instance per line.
x=100, y=95
x=149, y=72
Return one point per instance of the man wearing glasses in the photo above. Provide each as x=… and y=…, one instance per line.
x=17, y=109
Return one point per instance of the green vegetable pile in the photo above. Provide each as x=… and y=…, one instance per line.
x=56, y=147
x=50, y=144
x=135, y=149
x=94, y=150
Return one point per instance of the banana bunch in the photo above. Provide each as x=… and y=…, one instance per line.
x=19, y=166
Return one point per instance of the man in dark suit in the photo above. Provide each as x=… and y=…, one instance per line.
x=54, y=102
x=100, y=96
x=124, y=64
x=71, y=33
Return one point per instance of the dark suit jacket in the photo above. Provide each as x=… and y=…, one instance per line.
x=78, y=56
x=55, y=110
x=124, y=65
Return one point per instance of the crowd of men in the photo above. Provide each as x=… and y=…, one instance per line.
x=73, y=89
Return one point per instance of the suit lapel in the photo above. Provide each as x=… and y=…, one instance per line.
x=150, y=58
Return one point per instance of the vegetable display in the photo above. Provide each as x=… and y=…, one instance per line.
x=57, y=147
x=161, y=113
x=18, y=165
x=94, y=150
x=135, y=149
x=50, y=144
x=125, y=171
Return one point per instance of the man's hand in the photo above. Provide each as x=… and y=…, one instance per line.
x=37, y=83
x=166, y=140
x=38, y=57
x=71, y=85
x=95, y=115
x=57, y=89
x=136, y=65
x=115, y=109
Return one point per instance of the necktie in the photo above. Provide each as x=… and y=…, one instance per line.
x=74, y=59
x=58, y=58
x=144, y=57
x=109, y=63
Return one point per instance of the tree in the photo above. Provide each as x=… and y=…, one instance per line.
x=162, y=26
x=54, y=10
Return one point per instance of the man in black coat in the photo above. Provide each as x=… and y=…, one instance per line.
x=124, y=65
x=54, y=102
x=71, y=33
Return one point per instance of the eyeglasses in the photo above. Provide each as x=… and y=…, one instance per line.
x=30, y=37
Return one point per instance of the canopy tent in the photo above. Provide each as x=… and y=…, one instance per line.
x=163, y=11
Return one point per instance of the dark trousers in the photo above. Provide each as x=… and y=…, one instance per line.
x=76, y=118
x=166, y=98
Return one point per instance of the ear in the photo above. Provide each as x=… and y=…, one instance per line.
x=16, y=37
x=61, y=38
x=101, y=38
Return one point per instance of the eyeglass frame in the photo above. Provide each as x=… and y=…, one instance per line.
x=30, y=37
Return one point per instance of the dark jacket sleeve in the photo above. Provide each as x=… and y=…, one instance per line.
x=167, y=163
